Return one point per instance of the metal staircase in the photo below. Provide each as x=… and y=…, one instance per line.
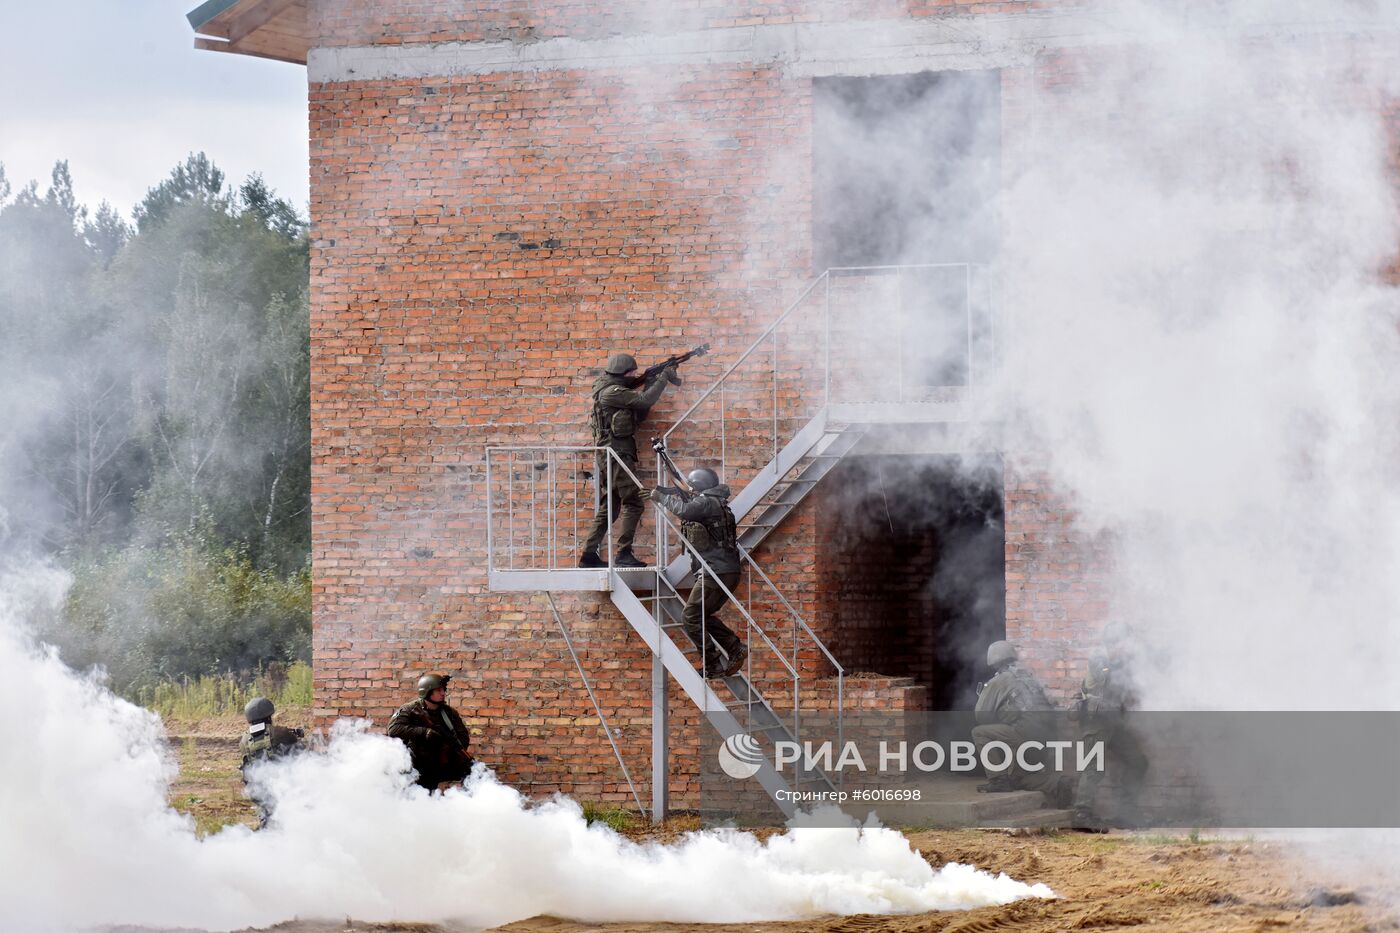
x=786, y=427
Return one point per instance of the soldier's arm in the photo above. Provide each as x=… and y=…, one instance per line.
x=403, y=729
x=640, y=402
x=688, y=509
x=989, y=702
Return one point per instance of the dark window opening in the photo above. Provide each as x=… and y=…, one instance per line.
x=906, y=168
x=906, y=172
x=914, y=570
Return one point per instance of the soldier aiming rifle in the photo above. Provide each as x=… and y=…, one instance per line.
x=618, y=410
x=708, y=525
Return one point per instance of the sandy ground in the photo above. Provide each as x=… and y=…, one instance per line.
x=1140, y=880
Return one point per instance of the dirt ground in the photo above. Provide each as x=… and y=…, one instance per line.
x=1147, y=881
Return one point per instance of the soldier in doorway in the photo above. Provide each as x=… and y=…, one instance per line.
x=1012, y=707
x=437, y=739
x=264, y=742
x=709, y=526
x=618, y=410
x=1105, y=695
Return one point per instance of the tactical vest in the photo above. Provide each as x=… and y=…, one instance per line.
x=258, y=747
x=1030, y=696
x=718, y=534
x=607, y=422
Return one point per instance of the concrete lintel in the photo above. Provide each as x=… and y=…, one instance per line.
x=955, y=42
x=884, y=46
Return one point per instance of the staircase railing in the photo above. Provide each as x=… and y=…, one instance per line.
x=854, y=335
x=539, y=501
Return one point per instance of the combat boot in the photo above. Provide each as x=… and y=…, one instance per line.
x=625, y=558
x=998, y=784
x=590, y=560
x=1084, y=821
x=736, y=661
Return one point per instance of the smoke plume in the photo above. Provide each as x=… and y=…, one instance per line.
x=83, y=803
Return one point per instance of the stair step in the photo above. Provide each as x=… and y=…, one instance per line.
x=773, y=728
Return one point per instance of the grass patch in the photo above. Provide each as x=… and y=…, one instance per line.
x=213, y=696
x=615, y=818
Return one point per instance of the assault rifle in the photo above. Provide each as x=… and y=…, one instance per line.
x=651, y=372
x=659, y=445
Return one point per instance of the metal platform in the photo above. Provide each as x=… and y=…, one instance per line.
x=568, y=580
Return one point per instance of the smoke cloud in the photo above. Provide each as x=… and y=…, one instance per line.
x=1203, y=345
x=83, y=803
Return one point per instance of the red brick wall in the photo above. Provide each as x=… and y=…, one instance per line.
x=1056, y=580
x=480, y=245
x=398, y=22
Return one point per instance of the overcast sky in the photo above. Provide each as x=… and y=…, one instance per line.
x=117, y=88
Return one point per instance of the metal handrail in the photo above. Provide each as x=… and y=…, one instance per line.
x=840, y=671
x=551, y=530
x=695, y=555
x=746, y=354
x=793, y=306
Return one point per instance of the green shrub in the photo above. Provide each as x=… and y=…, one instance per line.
x=209, y=696
x=156, y=616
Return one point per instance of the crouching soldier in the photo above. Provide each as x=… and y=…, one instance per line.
x=1012, y=708
x=708, y=525
x=436, y=737
x=264, y=742
x=1105, y=696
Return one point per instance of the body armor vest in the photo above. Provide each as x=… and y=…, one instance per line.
x=718, y=534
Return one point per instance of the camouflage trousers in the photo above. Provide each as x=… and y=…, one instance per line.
x=706, y=599
x=1046, y=780
x=622, y=498
x=1123, y=758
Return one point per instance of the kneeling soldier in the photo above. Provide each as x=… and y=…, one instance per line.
x=1012, y=708
x=264, y=742
x=708, y=524
x=436, y=737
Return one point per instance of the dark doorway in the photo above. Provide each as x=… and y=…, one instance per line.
x=914, y=569
x=906, y=168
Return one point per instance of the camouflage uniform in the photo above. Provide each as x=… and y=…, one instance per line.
x=437, y=740
x=1006, y=712
x=708, y=524
x=268, y=744
x=617, y=413
x=1105, y=695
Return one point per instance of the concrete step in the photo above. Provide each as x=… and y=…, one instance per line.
x=1037, y=819
x=954, y=801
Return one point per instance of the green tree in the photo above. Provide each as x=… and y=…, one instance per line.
x=197, y=179
x=159, y=441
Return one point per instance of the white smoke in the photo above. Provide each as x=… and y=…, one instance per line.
x=88, y=838
x=1203, y=348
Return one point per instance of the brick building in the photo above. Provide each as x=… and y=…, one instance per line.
x=504, y=191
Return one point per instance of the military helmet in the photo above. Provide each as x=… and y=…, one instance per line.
x=430, y=682
x=619, y=364
x=1000, y=653
x=702, y=479
x=1115, y=633
x=259, y=709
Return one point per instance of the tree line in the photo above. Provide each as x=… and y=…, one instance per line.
x=156, y=443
